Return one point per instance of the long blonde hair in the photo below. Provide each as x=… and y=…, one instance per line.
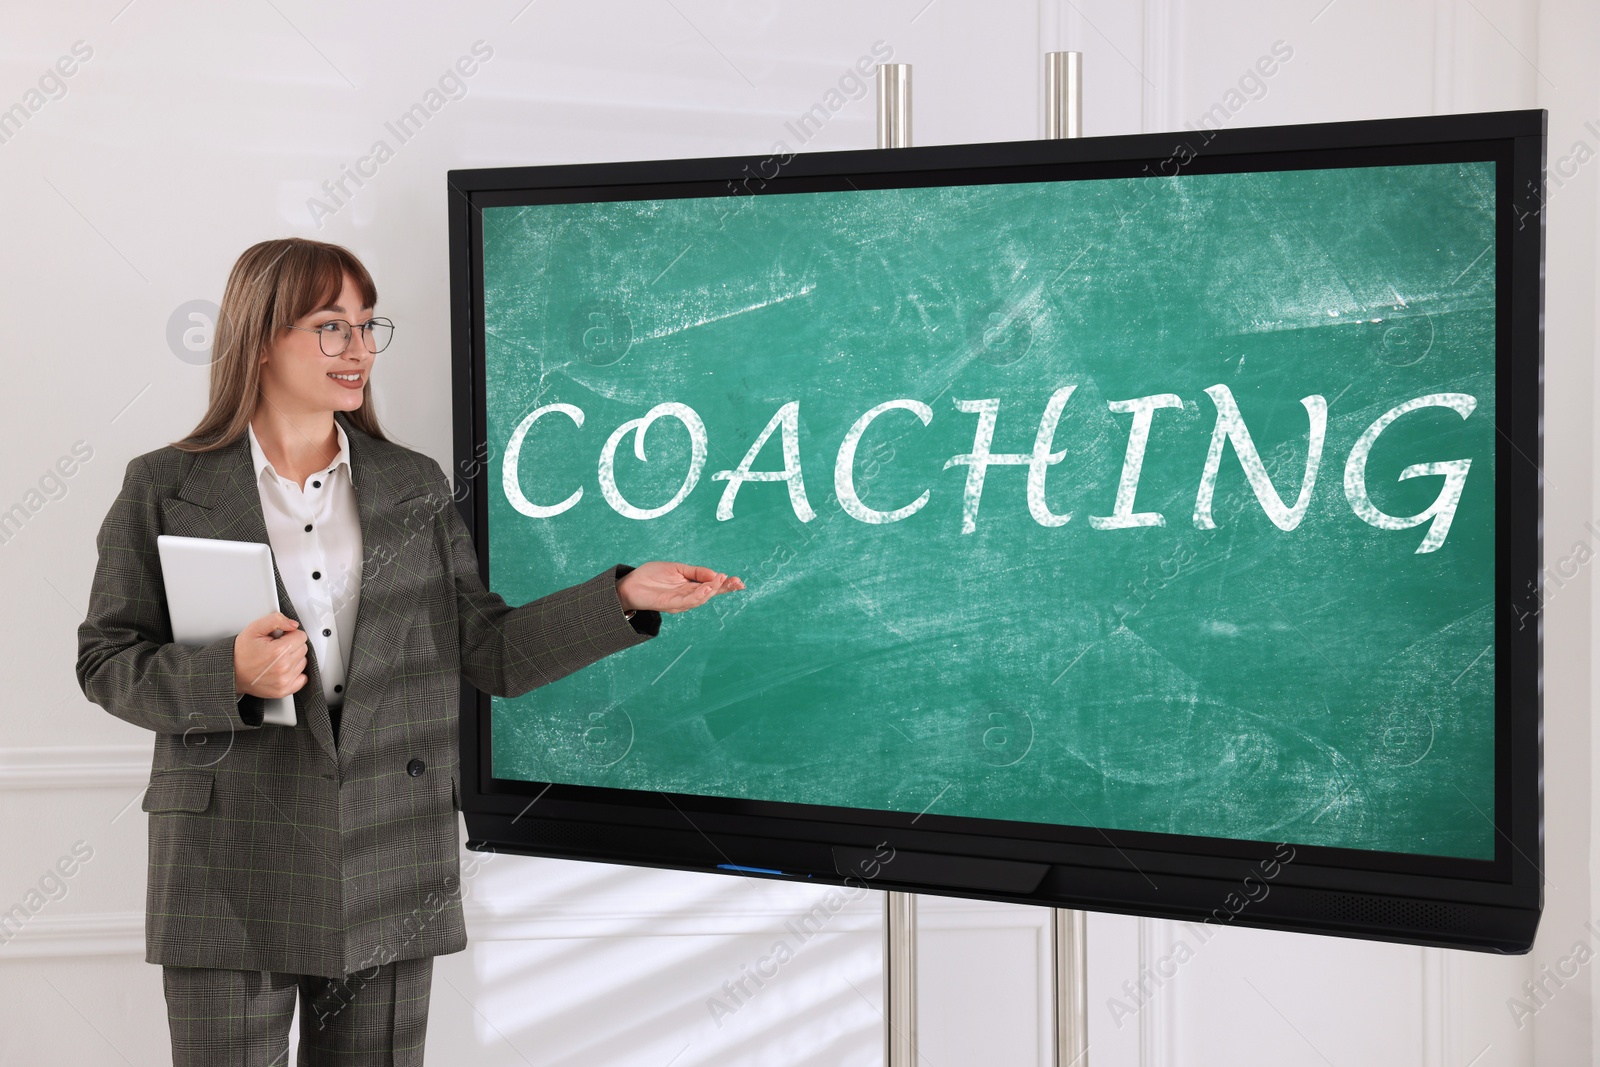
x=272, y=284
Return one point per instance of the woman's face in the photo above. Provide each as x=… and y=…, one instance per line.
x=298, y=379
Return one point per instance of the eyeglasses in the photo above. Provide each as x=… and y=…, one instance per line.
x=333, y=336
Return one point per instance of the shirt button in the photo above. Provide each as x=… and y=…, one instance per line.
x=316, y=574
x=316, y=485
x=415, y=768
x=327, y=633
x=308, y=527
x=338, y=689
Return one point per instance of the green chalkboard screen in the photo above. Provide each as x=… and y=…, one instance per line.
x=1160, y=501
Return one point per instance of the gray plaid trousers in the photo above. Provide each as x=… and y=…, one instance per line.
x=223, y=1018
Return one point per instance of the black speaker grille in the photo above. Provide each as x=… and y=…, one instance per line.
x=1396, y=912
x=543, y=832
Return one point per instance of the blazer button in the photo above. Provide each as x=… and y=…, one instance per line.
x=415, y=768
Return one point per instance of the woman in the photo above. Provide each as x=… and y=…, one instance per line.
x=318, y=860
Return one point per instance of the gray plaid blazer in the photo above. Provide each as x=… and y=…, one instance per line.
x=278, y=849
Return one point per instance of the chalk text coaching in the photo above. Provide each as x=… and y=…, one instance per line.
x=1228, y=430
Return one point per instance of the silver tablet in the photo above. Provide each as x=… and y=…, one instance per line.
x=215, y=589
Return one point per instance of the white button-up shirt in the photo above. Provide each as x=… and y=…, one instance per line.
x=315, y=535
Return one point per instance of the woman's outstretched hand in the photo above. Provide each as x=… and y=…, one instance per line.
x=672, y=587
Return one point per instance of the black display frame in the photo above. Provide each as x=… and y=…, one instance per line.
x=1487, y=905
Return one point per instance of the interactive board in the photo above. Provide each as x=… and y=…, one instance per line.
x=1147, y=524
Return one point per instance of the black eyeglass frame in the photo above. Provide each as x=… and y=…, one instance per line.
x=368, y=337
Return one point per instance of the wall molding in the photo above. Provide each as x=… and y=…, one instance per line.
x=1161, y=103
x=122, y=933
x=1440, y=1045
x=109, y=933
x=1444, y=56
x=1157, y=940
x=72, y=768
x=1052, y=38
x=75, y=767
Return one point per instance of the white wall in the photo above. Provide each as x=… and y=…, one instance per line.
x=196, y=129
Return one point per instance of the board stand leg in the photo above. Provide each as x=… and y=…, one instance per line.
x=894, y=105
x=899, y=979
x=1069, y=967
x=899, y=909
x=1069, y=994
x=1069, y=946
x=1063, y=95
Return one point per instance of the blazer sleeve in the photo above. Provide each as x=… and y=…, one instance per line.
x=507, y=651
x=127, y=661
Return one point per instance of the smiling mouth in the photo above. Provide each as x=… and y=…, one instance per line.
x=346, y=377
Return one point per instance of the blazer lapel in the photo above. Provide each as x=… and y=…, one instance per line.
x=390, y=549
x=219, y=498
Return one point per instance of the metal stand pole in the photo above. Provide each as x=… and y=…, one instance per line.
x=900, y=979
x=1063, y=117
x=1063, y=94
x=1069, y=958
x=894, y=105
x=899, y=909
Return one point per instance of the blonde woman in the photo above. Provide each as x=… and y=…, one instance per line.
x=318, y=861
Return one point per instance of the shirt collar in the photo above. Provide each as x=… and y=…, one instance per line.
x=341, y=459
